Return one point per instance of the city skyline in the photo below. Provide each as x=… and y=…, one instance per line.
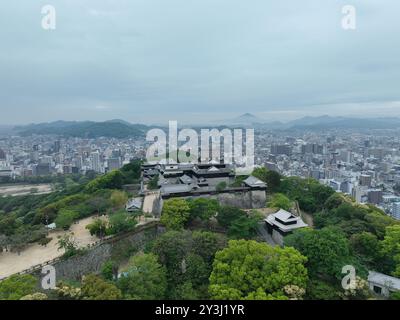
x=200, y=151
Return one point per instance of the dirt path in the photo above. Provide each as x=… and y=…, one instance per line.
x=25, y=189
x=148, y=202
x=35, y=254
x=11, y=263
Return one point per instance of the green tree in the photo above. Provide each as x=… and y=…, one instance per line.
x=118, y=199
x=65, y=218
x=327, y=250
x=203, y=208
x=186, y=291
x=111, y=180
x=98, y=227
x=172, y=247
x=153, y=183
x=17, y=286
x=309, y=193
x=132, y=170
x=390, y=248
x=109, y=270
x=221, y=186
x=227, y=215
x=35, y=296
x=95, y=288
x=336, y=200
x=318, y=289
x=395, y=296
x=273, y=180
x=206, y=244
x=360, y=291
x=270, y=177
x=247, y=269
x=19, y=240
x=378, y=222
x=175, y=213
x=279, y=200
x=195, y=270
x=121, y=222
x=144, y=278
x=244, y=227
x=8, y=224
x=260, y=173
x=188, y=258
x=68, y=244
x=366, y=245
x=98, y=204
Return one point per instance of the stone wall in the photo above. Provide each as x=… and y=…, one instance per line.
x=254, y=199
x=157, y=206
x=277, y=237
x=249, y=199
x=75, y=267
x=92, y=260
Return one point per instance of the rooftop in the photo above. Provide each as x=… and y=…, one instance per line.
x=176, y=188
x=383, y=279
x=254, y=182
x=134, y=203
x=285, y=216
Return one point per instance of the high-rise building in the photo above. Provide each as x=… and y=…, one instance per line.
x=95, y=161
x=358, y=193
x=281, y=149
x=312, y=148
x=335, y=185
x=365, y=180
x=272, y=166
x=46, y=160
x=346, y=156
x=67, y=169
x=114, y=163
x=34, y=156
x=377, y=153
x=316, y=174
x=375, y=196
x=396, y=210
x=78, y=162
x=42, y=169
x=116, y=153
x=346, y=187
x=57, y=146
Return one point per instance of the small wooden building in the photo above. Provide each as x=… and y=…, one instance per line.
x=282, y=223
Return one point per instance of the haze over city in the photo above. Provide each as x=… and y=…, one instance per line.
x=203, y=151
x=152, y=61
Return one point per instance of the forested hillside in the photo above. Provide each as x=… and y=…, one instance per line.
x=211, y=251
x=85, y=129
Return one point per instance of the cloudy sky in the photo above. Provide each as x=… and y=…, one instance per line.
x=194, y=60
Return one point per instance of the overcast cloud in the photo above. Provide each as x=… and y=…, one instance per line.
x=193, y=60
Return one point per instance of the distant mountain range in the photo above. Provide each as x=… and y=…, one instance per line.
x=247, y=120
x=5, y=129
x=85, y=129
x=327, y=122
x=320, y=122
x=122, y=129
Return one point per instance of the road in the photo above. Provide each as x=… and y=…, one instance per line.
x=34, y=254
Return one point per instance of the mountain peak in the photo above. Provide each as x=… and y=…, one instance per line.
x=247, y=115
